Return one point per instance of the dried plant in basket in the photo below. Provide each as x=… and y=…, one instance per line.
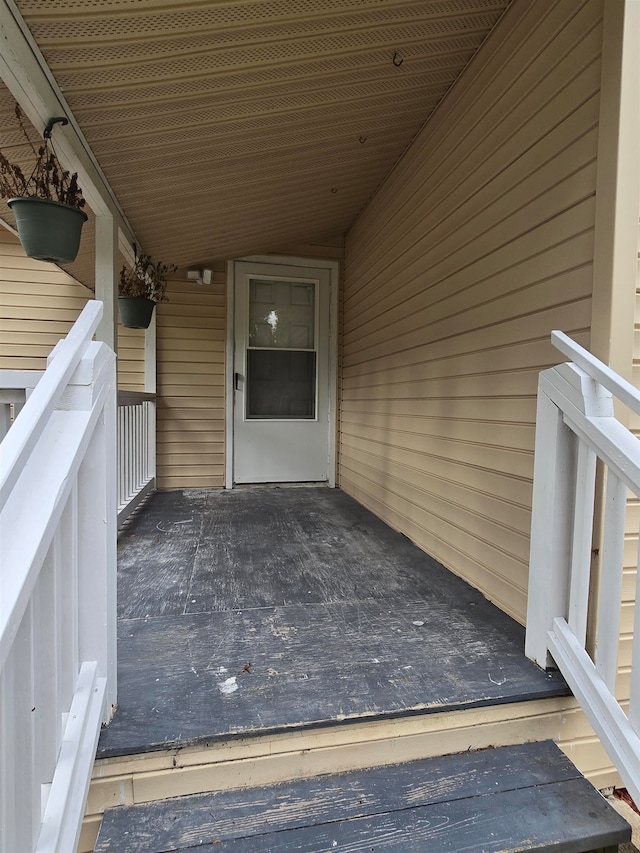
x=48, y=180
x=145, y=278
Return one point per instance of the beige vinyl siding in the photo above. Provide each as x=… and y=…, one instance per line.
x=39, y=303
x=191, y=384
x=479, y=243
x=130, y=359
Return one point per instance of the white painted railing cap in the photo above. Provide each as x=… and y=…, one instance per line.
x=619, y=387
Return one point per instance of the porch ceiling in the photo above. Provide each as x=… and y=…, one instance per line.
x=227, y=128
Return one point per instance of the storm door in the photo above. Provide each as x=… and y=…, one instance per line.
x=281, y=373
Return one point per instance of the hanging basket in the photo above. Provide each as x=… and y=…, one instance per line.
x=48, y=230
x=135, y=311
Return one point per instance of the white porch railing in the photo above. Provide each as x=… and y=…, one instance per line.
x=576, y=426
x=136, y=449
x=57, y=592
x=15, y=387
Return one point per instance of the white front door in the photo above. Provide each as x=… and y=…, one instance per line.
x=281, y=395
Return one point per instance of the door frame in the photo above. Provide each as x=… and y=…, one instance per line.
x=333, y=266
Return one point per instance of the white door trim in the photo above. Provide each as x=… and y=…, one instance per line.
x=333, y=266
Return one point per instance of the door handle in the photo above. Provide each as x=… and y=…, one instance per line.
x=237, y=380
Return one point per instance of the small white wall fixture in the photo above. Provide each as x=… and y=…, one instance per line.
x=576, y=426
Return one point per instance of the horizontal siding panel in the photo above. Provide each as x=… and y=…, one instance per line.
x=185, y=323
x=66, y=313
x=484, y=480
x=572, y=315
x=629, y=583
x=513, y=436
x=487, y=385
x=214, y=367
x=531, y=354
x=39, y=303
x=518, y=262
x=511, y=410
x=210, y=384
x=207, y=452
x=560, y=287
x=191, y=388
x=187, y=356
x=174, y=336
x=490, y=577
x=15, y=362
x=212, y=480
x=507, y=238
x=446, y=499
x=44, y=299
x=517, y=463
x=479, y=243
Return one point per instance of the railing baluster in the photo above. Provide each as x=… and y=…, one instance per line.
x=121, y=446
x=27, y=801
x=581, y=549
x=131, y=451
x=610, y=594
x=136, y=450
x=144, y=441
x=48, y=727
x=5, y=419
x=634, y=698
x=67, y=603
x=8, y=726
x=138, y=446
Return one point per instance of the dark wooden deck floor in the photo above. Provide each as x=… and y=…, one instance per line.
x=257, y=610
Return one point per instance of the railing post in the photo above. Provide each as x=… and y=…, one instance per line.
x=97, y=524
x=551, y=524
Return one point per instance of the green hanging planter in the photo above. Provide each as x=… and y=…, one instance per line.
x=135, y=311
x=48, y=230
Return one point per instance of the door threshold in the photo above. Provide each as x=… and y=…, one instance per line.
x=310, y=485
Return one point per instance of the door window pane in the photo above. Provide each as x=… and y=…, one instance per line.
x=281, y=314
x=281, y=384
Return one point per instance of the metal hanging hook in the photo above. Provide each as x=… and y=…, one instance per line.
x=395, y=56
x=51, y=124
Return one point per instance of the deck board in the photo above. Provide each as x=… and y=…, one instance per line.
x=526, y=797
x=320, y=612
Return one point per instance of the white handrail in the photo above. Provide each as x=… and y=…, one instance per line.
x=609, y=379
x=19, y=442
x=575, y=426
x=57, y=592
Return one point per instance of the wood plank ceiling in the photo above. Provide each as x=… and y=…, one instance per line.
x=228, y=128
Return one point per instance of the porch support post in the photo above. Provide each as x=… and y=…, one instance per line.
x=615, y=269
x=229, y=376
x=551, y=524
x=106, y=278
x=150, y=385
x=97, y=526
x=617, y=190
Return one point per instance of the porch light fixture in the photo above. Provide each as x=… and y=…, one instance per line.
x=200, y=276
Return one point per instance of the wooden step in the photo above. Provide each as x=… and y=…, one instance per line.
x=525, y=797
